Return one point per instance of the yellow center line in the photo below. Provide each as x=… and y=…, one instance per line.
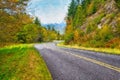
x=95, y=61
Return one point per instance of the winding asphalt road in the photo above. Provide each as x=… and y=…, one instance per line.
x=74, y=64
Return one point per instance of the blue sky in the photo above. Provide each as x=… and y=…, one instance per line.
x=49, y=11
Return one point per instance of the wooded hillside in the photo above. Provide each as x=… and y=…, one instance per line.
x=93, y=23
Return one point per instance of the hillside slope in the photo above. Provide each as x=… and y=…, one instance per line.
x=93, y=23
x=107, y=13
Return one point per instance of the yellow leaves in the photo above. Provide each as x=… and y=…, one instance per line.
x=104, y=30
x=118, y=17
x=69, y=29
x=76, y=36
x=91, y=8
x=44, y=34
x=48, y=35
x=13, y=1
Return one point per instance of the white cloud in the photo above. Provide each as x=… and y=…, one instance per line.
x=50, y=12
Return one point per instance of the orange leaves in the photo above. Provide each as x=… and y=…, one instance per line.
x=114, y=43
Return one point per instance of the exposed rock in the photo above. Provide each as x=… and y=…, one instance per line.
x=110, y=10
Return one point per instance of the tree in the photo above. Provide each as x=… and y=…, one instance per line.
x=12, y=19
x=59, y=36
x=37, y=22
x=72, y=9
x=10, y=25
x=48, y=27
x=92, y=8
x=28, y=34
x=13, y=6
x=53, y=29
x=76, y=36
x=79, y=17
x=84, y=5
x=69, y=38
x=69, y=35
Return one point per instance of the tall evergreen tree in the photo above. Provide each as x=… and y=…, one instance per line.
x=37, y=21
x=72, y=9
x=79, y=17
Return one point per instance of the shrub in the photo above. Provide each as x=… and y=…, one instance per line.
x=113, y=43
x=28, y=34
x=98, y=18
x=69, y=38
x=106, y=33
x=118, y=3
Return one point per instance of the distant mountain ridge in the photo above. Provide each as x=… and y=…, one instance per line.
x=58, y=26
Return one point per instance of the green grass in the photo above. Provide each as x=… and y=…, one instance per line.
x=104, y=50
x=22, y=62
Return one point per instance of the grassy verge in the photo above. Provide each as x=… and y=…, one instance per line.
x=22, y=62
x=104, y=50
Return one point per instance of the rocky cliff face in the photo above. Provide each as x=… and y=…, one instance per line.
x=107, y=13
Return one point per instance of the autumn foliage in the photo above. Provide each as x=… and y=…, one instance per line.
x=91, y=24
x=16, y=26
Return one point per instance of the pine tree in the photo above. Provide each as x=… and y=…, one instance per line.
x=37, y=22
x=72, y=9
x=79, y=17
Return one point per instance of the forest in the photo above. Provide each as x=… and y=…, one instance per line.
x=16, y=26
x=88, y=49
x=90, y=23
x=93, y=23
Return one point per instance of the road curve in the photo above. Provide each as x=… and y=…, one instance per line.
x=74, y=64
